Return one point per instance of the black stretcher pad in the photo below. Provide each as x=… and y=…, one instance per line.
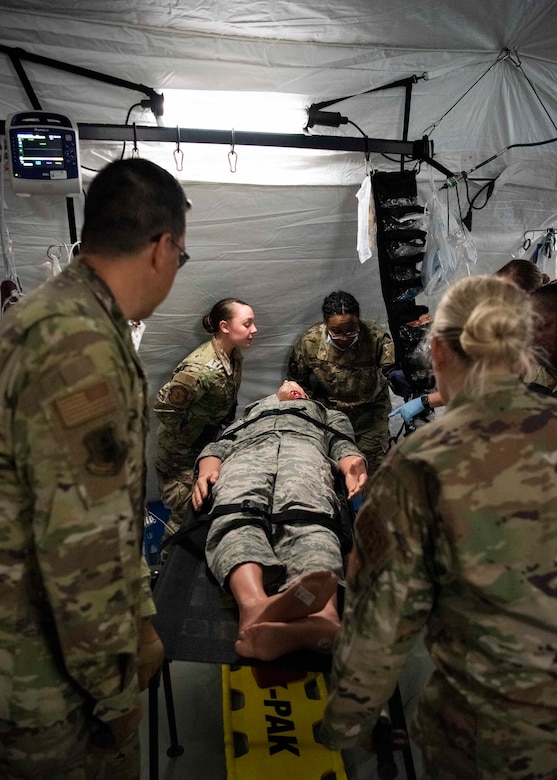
x=198, y=622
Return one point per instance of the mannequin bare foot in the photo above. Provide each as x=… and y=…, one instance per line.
x=304, y=597
x=268, y=641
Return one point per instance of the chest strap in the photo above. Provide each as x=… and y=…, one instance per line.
x=297, y=413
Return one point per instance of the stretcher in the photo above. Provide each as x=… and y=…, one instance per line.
x=197, y=622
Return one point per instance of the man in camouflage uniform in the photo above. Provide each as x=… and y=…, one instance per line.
x=192, y=409
x=458, y=536
x=273, y=496
x=352, y=380
x=76, y=639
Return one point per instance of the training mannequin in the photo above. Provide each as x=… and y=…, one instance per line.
x=272, y=541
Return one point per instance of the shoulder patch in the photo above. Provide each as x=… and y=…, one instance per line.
x=106, y=453
x=374, y=539
x=87, y=404
x=178, y=395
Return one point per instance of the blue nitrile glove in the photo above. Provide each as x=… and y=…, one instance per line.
x=398, y=383
x=409, y=410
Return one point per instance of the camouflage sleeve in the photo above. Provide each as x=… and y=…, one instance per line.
x=176, y=397
x=386, y=353
x=218, y=449
x=147, y=606
x=339, y=447
x=388, y=599
x=78, y=459
x=298, y=368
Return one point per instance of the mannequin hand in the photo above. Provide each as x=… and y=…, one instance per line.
x=355, y=474
x=209, y=470
x=409, y=410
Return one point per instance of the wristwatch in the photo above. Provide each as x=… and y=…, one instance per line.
x=424, y=398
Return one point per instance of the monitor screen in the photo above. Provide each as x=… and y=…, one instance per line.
x=38, y=148
x=44, y=154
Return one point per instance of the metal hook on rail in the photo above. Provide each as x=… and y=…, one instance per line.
x=135, y=150
x=232, y=156
x=178, y=153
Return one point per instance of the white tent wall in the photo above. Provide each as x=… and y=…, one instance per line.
x=281, y=232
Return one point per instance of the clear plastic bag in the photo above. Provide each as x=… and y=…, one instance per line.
x=450, y=251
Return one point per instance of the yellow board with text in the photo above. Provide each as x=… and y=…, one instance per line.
x=269, y=732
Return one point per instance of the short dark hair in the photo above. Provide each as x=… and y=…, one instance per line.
x=340, y=303
x=546, y=294
x=524, y=273
x=128, y=203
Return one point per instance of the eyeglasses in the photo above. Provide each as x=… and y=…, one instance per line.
x=183, y=257
x=350, y=334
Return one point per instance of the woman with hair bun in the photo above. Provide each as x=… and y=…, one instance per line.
x=458, y=539
x=199, y=400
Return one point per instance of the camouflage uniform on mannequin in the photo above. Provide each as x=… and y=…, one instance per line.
x=74, y=586
x=199, y=399
x=274, y=501
x=344, y=362
x=458, y=537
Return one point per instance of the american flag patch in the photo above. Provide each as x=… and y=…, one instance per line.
x=87, y=404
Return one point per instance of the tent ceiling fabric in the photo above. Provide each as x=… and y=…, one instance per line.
x=428, y=24
x=281, y=231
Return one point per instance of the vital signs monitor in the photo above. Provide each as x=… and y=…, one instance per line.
x=43, y=152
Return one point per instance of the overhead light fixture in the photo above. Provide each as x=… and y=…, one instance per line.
x=324, y=118
x=263, y=112
x=155, y=102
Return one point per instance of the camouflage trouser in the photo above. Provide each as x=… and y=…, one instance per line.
x=63, y=752
x=460, y=743
x=374, y=441
x=292, y=551
x=174, y=495
x=277, y=472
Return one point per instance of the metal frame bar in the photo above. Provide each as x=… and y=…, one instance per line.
x=95, y=132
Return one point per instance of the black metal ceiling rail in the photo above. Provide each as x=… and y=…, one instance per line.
x=421, y=149
x=95, y=132
x=155, y=99
x=418, y=150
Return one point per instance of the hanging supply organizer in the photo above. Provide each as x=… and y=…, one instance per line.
x=400, y=250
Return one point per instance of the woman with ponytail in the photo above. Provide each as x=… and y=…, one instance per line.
x=199, y=400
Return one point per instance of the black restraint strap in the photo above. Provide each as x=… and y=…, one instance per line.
x=193, y=531
x=258, y=515
x=296, y=413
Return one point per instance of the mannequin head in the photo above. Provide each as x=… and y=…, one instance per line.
x=290, y=391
